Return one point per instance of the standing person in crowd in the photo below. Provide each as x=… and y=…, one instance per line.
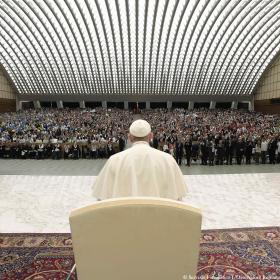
x=56, y=153
x=121, y=143
x=110, y=149
x=211, y=152
x=204, y=151
x=227, y=150
x=240, y=147
x=155, y=141
x=188, y=150
x=179, y=151
x=220, y=152
x=195, y=148
x=76, y=151
x=41, y=151
x=264, y=147
x=232, y=148
x=140, y=170
x=272, y=149
x=66, y=151
x=278, y=149
x=258, y=151
x=248, y=151
x=93, y=150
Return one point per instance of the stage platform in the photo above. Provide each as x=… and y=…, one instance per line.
x=42, y=203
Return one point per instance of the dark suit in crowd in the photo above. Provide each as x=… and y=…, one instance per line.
x=188, y=149
x=179, y=151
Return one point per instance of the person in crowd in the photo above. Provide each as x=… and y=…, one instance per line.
x=278, y=150
x=66, y=153
x=211, y=152
x=155, y=141
x=264, y=147
x=272, y=149
x=76, y=151
x=41, y=151
x=195, y=148
x=248, y=151
x=121, y=143
x=165, y=148
x=179, y=151
x=110, y=148
x=140, y=170
x=56, y=151
x=227, y=150
x=204, y=152
x=220, y=152
x=258, y=151
x=93, y=150
x=188, y=150
x=240, y=148
x=232, y=149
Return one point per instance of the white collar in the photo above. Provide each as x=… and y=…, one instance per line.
x=140, y=142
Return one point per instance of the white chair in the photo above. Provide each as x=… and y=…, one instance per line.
x=136, y=239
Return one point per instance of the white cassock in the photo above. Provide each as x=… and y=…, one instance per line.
x=140, y=171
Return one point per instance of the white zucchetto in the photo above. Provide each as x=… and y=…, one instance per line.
x=140, y=128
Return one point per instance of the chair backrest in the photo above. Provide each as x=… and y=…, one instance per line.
x=136, y=238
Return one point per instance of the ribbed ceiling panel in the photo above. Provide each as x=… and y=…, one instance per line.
x=137, y=47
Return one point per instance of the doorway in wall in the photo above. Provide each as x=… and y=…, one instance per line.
x=71, y=105
x=184, y=105
x=27, y=105
x=155, y=105
x=243, y=105
x=48, y=104
x=223, y=105
x=119, y=105
x=198, y=105
x=91, y=104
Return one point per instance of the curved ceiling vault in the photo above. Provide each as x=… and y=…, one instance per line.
x=137, y=47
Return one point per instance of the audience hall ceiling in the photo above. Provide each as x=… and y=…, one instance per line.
x=137, y=47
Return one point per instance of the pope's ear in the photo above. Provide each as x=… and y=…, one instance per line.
x=150, y=136
x=130, y=137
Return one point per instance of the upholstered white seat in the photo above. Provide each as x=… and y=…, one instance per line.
x=136, y=239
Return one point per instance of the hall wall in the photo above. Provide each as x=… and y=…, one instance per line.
x=7, y=94
x=267, y=92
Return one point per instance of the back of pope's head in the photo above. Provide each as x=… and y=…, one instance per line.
x=140, y=130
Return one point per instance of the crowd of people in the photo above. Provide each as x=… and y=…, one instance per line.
x=208, y=137
x=216, y=136
x=63, y=133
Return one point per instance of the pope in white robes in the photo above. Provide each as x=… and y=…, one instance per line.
x=140, y=170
